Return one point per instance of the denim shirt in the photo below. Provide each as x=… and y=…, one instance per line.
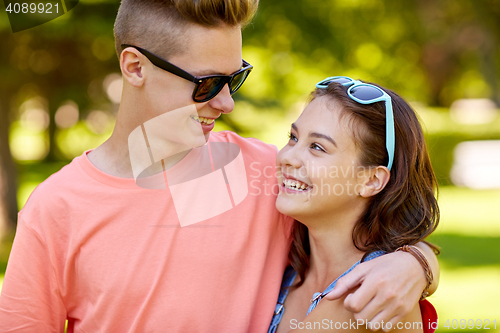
x=288, y=278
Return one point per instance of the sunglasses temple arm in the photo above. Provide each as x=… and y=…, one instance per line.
x=163, y=64
x=390, y=140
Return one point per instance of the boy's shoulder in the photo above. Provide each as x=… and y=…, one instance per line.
x=51, y=193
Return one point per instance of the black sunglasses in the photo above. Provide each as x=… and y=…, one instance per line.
x=208, y=86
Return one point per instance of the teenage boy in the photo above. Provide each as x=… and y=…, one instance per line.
x=97, y=250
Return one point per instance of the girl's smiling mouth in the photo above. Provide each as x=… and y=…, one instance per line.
x=292, y=185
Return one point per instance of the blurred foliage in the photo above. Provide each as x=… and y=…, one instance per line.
x=433, y=52
x=32, y=174
x=5, y=246
x=443, y=134
x=65, y=59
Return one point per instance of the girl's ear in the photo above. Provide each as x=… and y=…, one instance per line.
x=373, y=181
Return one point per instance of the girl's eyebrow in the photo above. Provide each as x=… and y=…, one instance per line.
x=323, y=136
x=317, y=135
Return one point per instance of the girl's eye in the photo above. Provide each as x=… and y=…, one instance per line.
x=315, y=146
x=292, y=136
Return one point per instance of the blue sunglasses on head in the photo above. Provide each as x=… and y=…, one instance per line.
x=365, y=93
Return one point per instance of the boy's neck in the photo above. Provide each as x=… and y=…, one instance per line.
x=112, y=158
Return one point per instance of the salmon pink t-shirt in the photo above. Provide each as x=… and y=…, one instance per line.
x=110, y=256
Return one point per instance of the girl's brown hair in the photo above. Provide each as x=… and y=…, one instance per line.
x=406, y=211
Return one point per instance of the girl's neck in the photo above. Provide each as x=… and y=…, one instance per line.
x=332, y=250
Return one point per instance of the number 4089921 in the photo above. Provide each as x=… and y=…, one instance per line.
x=40, y=8
x=484, y=324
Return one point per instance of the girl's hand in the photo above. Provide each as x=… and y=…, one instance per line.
x=388, y=287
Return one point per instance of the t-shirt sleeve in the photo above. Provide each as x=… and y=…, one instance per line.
x=31, y=300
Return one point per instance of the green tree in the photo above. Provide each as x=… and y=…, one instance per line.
x=58, y=61
x=422, y=48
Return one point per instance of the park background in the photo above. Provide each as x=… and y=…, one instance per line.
x=60, y=90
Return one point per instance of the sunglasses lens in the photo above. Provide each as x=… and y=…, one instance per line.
x=208, y=88
x=366, y=93
x=339, y=80
x=237, y=81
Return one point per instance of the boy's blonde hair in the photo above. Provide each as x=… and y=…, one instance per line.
x=158, y=25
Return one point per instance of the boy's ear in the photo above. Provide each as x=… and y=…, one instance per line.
x=373, y=181
x=132, y=67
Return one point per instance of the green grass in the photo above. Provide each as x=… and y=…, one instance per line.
x=461, y=251
x=469, y=212
x=468, y=293
x=469, y=237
